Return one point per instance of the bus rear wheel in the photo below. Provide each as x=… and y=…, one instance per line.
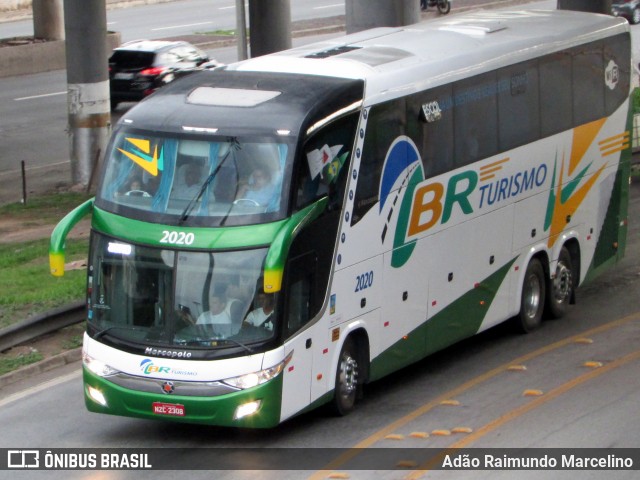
x=532, y=301
x=561, y=286
x=347, y=378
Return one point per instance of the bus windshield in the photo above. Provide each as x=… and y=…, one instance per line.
x=189, y=180
x=169, y=298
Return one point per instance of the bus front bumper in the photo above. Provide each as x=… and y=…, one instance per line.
x=257, y=407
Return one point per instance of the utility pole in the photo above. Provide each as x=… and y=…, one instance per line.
x=241, y=30
x=48, y=19
x=364, y=14
x=270, y=26
x=88, y=103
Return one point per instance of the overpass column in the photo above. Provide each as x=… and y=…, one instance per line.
x=48, y=19
x=270, y=26
x=593, y=6
x=365, y=14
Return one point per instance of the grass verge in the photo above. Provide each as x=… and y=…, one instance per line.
x=9, y=364
x=25, y=282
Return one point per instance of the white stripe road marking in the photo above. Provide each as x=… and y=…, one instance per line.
x=181, y=26
x=38, y=388
x=40, y=96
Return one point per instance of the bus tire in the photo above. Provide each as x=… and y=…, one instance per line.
x=560, y=287
x=532, y=300
x=347, y=378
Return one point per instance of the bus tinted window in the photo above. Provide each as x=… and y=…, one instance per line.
x=176, y=179
x=588, y=83
x=518, y=105
x=555, y=93
x=386, y=123
x=326, y=158
x=617, y=71
x=476, y=118
x=433, y=137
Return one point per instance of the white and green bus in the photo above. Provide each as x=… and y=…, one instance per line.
x=272, y=235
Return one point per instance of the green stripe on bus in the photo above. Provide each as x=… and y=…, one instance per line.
x=459, y=320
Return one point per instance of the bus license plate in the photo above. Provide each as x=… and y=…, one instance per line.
x=160, y=408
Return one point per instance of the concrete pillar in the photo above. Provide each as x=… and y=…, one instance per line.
x=88, y=102
x=593, y=6
x=48, y=19
x=241, y=30
x=364, y=14
x=269, y=26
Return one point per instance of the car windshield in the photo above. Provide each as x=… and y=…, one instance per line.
x=167, y=298
x=173, y=180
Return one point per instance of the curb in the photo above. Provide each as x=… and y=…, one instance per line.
x=42, y=366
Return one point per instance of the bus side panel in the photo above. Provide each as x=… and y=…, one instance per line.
x=612, y=236
x=404, y=309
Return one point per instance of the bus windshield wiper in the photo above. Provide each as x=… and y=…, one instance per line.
x=234, y=146
x=115, y=327
x=240, y=344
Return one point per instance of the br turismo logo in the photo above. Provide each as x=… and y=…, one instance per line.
x=148, y=367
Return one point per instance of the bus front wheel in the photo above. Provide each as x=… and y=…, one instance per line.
x=532, y=301
x=347, y=378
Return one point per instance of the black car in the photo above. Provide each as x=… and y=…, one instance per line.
x=629, y=9
x=137, y=69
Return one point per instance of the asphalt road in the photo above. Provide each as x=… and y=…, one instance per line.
x=183, y=17
x=574, y=383
x=33, y=108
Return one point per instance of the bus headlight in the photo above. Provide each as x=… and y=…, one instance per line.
x=247, y=409
x=96, y=366
x=257, y=378
x=97, y=396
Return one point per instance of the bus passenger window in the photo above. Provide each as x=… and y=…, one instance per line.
x=518, y=105
x=588, y=82
x=476, y=118
x=555, y=93
x=618, y=74
x=321, y=171
x=434, y=139
x=386, y=123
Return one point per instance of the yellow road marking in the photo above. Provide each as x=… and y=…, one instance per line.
x=401, y=422
x=518, y=412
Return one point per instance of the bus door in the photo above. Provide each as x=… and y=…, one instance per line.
x=299, y=308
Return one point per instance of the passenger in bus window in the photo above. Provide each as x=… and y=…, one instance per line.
x=189, y=181
x=261, y=316
x=259, y=189
x=217, y=310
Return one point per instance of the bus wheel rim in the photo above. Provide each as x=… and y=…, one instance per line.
x=532, y=297
x=562, y=283
x=348, y=375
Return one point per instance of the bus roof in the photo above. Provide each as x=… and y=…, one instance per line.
x=398, y=61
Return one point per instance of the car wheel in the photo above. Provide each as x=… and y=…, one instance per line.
x=635, y=16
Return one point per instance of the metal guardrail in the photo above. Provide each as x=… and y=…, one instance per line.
x=42, y=324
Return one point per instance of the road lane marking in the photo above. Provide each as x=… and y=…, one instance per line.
x=456, y=392
x=37, y=167
x=33, y=97
x=181, y=26
x=520, y=411
x=39, y=388
x=334, y=5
